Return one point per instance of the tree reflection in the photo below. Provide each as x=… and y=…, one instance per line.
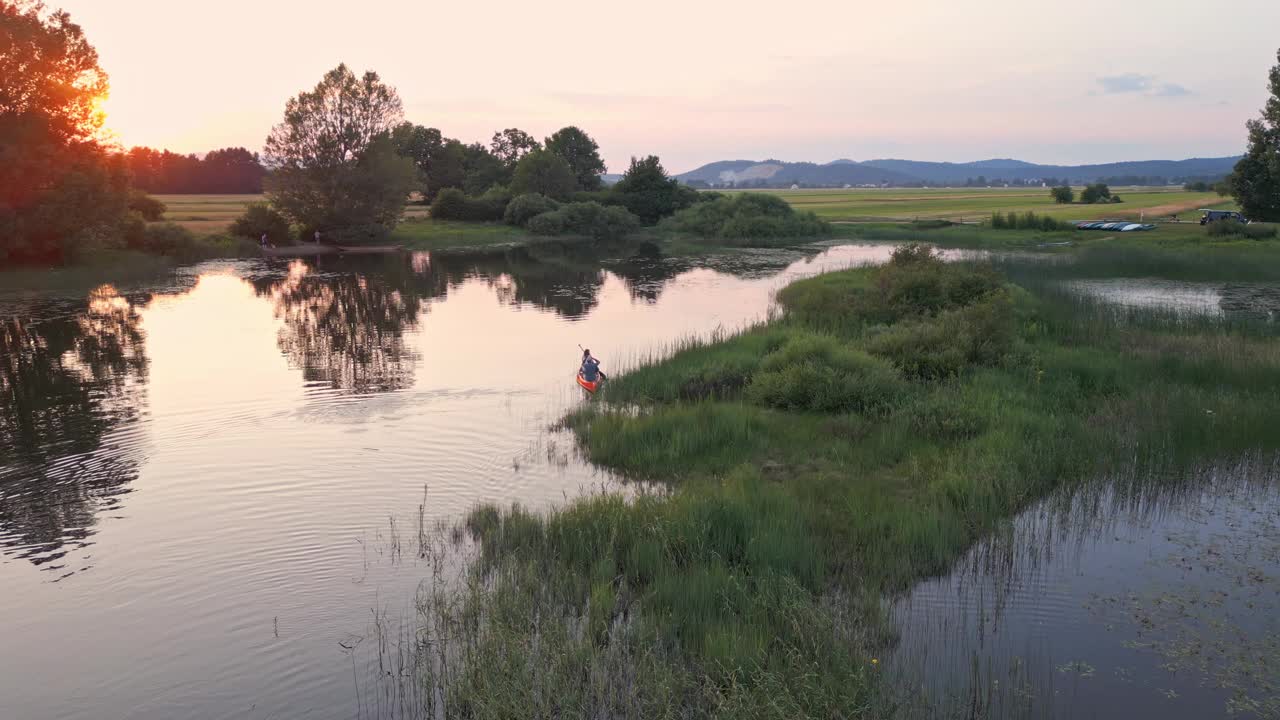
x=346, y=329
x=65, y=385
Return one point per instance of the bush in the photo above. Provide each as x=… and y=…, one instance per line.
x=746, y=216
x=259, y=219
x=1027, y=221
x=1063, y=195
x=163, y=239
x=549, y=223
x=148, y=207
x=1096, y=193
x=818, y=373
x=368, y=234
x=453, y=204
x=597, y=221
x=1235, y=228
x=525, y=207
x=941, y=347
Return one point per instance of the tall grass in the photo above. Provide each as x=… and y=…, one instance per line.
x=857, y=443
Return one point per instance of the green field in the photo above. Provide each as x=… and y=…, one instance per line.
x=971, y=204
x=208, y=214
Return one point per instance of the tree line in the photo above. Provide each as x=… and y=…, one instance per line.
x=229, y=171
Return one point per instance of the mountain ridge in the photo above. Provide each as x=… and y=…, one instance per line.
x=892, y=171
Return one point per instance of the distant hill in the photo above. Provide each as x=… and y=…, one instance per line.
x=838, y=173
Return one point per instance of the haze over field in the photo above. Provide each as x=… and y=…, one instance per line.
x=1088, y=82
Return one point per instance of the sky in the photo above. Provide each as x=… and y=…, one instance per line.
x=693, y=82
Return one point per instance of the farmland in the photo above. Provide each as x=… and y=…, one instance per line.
x=972, y=204
x=207, y=214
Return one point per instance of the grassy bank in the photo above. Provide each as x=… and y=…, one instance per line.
x=857, y=443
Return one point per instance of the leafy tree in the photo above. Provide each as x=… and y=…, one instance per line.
x=482, y=170
x=60, y=192
x=581, y=152
x=1255, y=182
x=1063, y=195
x=260, y=219
x=649, y=193
x=448, y=168
x=1096, y=193
x=334, y=161
x=543, y=172
x=228, y=171
x=511, y=145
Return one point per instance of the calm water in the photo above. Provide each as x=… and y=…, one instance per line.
x=208, y=485
x=1131, y=597
x=203, y=482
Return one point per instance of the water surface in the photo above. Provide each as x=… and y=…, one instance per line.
x=203, y=480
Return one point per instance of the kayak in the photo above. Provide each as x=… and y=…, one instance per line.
x=589, y=386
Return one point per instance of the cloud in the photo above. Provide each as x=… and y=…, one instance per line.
x=1137, y=84
x=1172, y=90
x=1127, y=83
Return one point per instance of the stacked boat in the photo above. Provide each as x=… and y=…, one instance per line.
x=1124, y=226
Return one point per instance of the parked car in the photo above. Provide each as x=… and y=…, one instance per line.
x=1213, y=215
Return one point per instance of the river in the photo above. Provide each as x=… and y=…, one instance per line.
x=199, y=476
x=207, y=481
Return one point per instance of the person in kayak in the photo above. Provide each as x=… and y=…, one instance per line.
x=591, y=371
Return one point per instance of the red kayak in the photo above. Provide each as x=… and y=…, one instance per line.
x=590, y=387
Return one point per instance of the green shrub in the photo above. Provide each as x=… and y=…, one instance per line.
x=1096, y=193
x=453, y=204
x=939, y=347
x=746, y=216
x=371, y=234
x=164, y=239
x=148, y=207
x=548, y=223
x=1027, y=221
x=524, y=207
x=261, y=219
x=818, y=373
x=589, y=219
x=1235, y=228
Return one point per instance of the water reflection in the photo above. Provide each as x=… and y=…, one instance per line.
x=67, y=385
x=1119, y=597
x=345, y=329
x=1246, y=302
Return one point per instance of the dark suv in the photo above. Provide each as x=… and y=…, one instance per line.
x=1212, y=215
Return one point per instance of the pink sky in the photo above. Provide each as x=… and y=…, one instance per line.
x=1085, y=81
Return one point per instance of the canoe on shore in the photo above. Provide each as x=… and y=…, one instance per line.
x=310, y=249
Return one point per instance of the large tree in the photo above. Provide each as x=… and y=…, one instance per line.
x=512, y=144
x=545, y=173
x=59, y=190
x=334, y=164
x=647, y=191
x=581, y=152
x=1255, y=183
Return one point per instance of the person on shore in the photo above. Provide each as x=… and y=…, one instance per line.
x=263, y=243
x=591, y=367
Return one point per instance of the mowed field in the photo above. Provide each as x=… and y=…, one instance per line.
x=970, y=204
x=211, y=214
